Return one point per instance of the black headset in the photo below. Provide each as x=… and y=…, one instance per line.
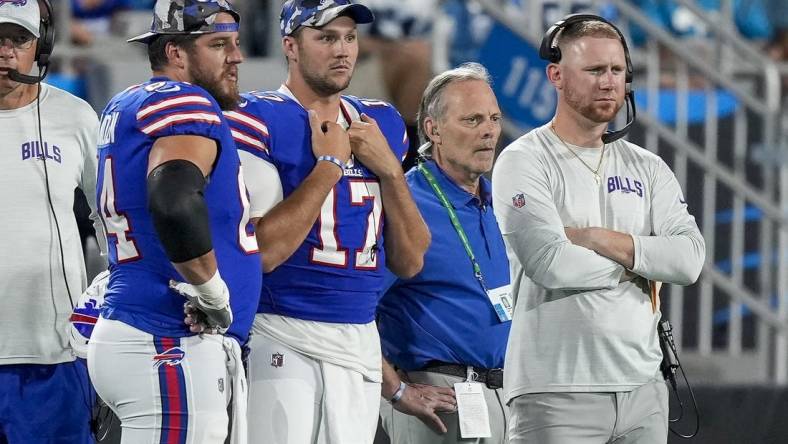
x=46, y=43
x=549, y=51
x=46, y=33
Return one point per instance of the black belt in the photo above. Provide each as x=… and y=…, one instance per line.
x=492, y=377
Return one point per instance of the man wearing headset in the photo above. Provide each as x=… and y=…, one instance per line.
x=49, y=148
x=590, y=223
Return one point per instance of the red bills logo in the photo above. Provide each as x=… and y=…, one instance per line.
x=171, y=357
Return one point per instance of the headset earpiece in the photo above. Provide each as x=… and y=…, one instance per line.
x=548, y=51
x=46, y=31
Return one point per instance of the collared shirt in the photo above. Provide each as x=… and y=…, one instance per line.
x=443, y=313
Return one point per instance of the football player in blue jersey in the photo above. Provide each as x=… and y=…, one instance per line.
x=173, y=199
x=332, y=210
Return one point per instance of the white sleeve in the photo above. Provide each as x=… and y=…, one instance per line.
x=676, y=251
x=88, y=138
x=263, y=183
x=534, y=231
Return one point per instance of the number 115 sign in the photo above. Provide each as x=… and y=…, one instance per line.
x=519, y=81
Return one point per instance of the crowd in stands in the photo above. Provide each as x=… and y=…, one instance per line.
x=403, y=35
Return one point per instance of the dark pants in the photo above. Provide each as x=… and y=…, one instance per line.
x=45, y=404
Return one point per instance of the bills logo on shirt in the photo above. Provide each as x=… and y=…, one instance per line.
x=172, y=357
x=277, y=360
x=35, y=150
x=624, y=184
x=518, y=200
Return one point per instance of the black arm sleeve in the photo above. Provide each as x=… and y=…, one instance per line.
x=177, y=206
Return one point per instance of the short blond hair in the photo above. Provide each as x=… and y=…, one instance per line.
x=586, y=28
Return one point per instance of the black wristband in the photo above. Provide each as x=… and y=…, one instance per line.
x=178, y=209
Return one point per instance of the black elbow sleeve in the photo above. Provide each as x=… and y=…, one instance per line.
x=177, y=206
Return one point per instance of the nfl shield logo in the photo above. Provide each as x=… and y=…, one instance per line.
x=518, y=201
x=277, y=359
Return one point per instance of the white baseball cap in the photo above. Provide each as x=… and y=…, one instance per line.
x=24, y=13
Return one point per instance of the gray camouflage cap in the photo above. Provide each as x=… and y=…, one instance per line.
x=317, y=13
x=188, y=17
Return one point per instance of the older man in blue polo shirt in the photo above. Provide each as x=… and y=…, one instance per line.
x=445, y=329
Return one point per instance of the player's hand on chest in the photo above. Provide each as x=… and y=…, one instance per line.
x=329, y=139
x=371, y=147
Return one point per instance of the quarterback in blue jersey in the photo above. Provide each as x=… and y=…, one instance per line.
x=173, y=199
x=332, y=210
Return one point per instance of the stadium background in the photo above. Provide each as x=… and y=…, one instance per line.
x=711, y=80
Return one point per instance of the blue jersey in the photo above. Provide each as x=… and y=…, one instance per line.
x=138, y=292
x=337, y=272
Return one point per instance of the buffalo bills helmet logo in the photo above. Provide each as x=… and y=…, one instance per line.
x=172, y=357
x=14, y=2
x=84, y=318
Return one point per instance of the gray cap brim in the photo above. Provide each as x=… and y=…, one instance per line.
x=143, y=38
x=30, y=27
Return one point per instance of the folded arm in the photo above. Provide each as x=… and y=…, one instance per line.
x=535, y=232
x=674, y=253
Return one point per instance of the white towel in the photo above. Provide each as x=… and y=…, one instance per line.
x=240, y=392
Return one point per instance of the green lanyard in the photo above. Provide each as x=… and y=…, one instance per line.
x=477, y=270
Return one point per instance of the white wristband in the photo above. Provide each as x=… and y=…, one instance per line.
x=398, y=394
x=214, y=292
x=333, y=160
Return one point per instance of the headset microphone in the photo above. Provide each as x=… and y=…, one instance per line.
x=17, y=76
x=611, y=136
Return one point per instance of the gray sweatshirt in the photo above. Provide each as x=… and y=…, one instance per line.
x=36, y=307
x=576, y=328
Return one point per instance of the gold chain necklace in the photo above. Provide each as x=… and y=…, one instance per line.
x=595, y=172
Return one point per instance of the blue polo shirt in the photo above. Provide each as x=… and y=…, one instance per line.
x=443, y=313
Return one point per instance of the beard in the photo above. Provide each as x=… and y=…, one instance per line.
x=323, y=85
x=227, y=98
x=590, y=109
